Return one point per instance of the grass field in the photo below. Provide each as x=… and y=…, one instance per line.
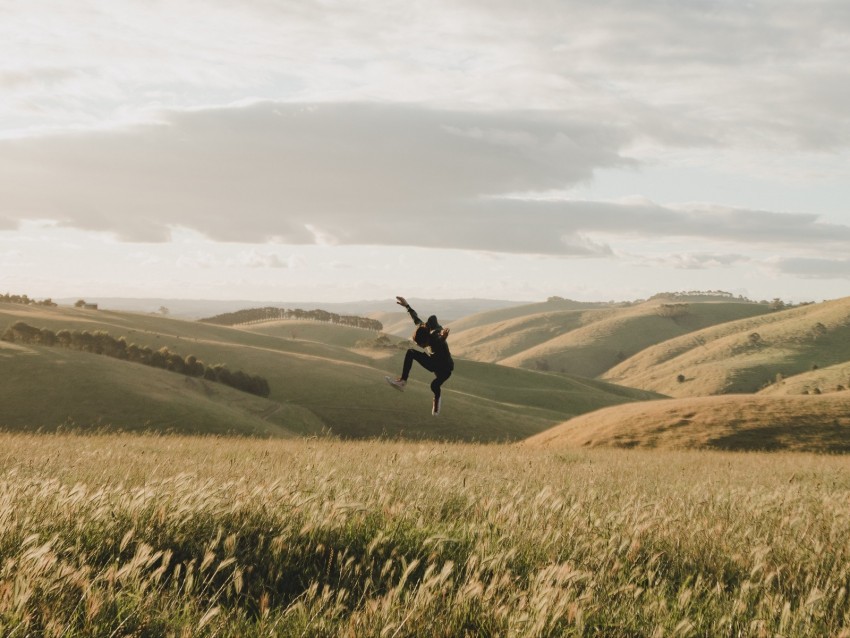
x=104, y=536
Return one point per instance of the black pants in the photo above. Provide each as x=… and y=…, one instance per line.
x=426, y=362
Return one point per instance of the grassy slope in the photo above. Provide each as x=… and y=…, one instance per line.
x=726, y=359
x=395, y=323
x=494, y=342
x=322, y=384
x=735, y=422
x=517, y=312
x=834, y=378
x=589, y=342
x=315, y=331
x=47, y=387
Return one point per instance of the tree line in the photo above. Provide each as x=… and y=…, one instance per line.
x=101, y=342
x=24, y=300
x=695, y=295
x=271, y=313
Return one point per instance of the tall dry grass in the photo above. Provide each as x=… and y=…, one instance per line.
x=177, y=536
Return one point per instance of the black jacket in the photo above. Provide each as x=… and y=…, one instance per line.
x=440, y=354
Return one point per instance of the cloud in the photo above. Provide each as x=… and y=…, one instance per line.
x=814, y=268
x=255, y=259
x=703, y=72
x=699, y=261
x=344, y=173
x=197, y=259
x=361, y=174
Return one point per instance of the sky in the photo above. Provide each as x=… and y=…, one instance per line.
x=319, y=150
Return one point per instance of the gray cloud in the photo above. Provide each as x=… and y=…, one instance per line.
x=815, y=268
x=762, y=73
x=360, y=174
x=356, y=173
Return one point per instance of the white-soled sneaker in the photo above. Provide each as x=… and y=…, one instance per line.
x=398, y=384
x=435, y=408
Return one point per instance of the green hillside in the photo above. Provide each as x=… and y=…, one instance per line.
x=315, y=331
x=317, y=385
x=743, y=356
x=46, y=387
x=589, y=342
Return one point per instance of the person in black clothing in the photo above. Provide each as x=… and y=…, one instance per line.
x=431, y=335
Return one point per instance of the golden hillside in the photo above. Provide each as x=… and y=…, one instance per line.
x=590, y=342
x=744, y=355
x=812, y=423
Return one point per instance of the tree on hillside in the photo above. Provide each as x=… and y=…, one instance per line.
x=20, y=331
x=673, y=310
x=194, y=366
x=776, y=304
x=47, y=337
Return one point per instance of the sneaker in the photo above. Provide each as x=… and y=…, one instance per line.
x=398, y=384
x=435, y=409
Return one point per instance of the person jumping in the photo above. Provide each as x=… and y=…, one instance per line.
x=432, y=336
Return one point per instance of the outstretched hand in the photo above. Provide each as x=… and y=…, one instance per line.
x=444, y=333
x=401, y=301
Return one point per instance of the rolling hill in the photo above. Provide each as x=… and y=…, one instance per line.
x=45, y=387
x=834, y=378
x=729, y=422
x=765, y=382
x=586, y=342
x=743, y=356
x=554, y=304
x=329, y=382
x=517, y=377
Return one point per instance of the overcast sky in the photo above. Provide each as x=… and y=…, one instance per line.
x=336, y=151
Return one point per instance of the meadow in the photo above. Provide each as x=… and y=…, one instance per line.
x=150, y=535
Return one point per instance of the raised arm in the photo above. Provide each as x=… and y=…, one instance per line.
x=401, y=301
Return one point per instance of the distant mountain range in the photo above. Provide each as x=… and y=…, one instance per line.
x=446, y=309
